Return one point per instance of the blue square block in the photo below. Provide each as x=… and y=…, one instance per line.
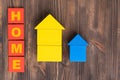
x=77, y=53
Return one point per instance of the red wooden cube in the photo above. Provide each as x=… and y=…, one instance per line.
x=15, y=15
x=16, y=64
x=16, y=48
x=15, y=31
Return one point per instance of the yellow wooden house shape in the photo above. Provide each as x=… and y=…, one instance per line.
x=49, y=40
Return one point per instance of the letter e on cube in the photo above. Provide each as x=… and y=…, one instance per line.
x=16, y=64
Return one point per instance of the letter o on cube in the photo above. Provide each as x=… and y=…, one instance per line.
x=15, y=32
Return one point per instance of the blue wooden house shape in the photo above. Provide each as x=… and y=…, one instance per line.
x=78, y=48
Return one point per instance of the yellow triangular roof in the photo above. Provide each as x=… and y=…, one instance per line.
x=49, y=23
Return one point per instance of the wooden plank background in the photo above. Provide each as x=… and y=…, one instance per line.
x=98, y=21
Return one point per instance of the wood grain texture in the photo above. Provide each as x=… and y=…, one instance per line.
x=98, y=21
x=1, y=62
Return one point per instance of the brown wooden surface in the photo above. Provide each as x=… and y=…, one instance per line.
x=98, y=21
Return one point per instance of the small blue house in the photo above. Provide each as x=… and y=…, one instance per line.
x=78, y=48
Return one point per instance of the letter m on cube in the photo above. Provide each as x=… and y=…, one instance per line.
x=15, y=15
x=16, y=48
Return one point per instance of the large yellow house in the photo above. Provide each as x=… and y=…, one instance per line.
x=49, y=40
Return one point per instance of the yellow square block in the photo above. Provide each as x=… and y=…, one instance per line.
x=49, y=37
x=49, y=53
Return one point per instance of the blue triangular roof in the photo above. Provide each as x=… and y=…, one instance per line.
x=78, y=41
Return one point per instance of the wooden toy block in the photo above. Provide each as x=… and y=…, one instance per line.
x=15, y=31
x=49, y=32
x=15, y=15
x=49, y=40
x=49, y=37
x=16, y=64
x=49, y=53
x=16, y=48
x=78, y=49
